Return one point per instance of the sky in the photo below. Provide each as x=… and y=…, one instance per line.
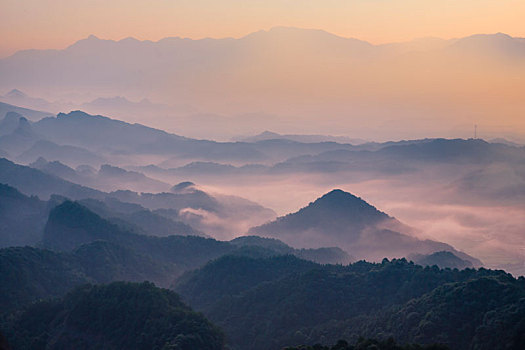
x=42, y=24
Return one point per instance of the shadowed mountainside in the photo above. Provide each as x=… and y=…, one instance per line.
x=341, y=219
x=270, y=303
x=230, y=215
x=115, y=316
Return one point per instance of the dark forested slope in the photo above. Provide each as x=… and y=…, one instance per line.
x=115, y=316
x=323, y=303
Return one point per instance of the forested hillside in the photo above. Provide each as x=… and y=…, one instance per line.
x=115, y=316
x=306, y=304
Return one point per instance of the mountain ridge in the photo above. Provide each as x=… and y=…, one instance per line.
x=282, y=29
x=344, y=220
x=241, y=79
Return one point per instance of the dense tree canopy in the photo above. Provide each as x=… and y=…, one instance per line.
x=322, y=303
x=369, y=344
x=115, y=316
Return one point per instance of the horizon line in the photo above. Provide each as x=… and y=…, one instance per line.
x=128, y=38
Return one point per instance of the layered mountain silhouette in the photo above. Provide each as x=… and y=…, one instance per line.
x=220, y=216
x=21, y=138
x=423, y=151
x=92, y=241
x=466, y=171
x=341, y=219
x=32, y=181
x=135, y=218
x=83, y=130
x=30, y=114
x=88, y=200
x=65, y=65
x=79, y=138
x=115, y=250
x=101, y=134
x=9, y=123
x=72, y=225
x=195, y=203
x=367, y=160
x=161, y=210
x=72, y=155
x=269, y=135
x=455, y=150
x=317, y=66
x=19, y=98
x=106, y=178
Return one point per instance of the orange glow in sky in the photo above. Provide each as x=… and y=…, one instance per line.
x=26, y=24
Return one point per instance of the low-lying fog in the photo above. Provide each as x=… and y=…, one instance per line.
x=467, y=193
x=432, y=202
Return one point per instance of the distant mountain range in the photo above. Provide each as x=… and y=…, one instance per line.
x=338, y=219
x=240, y=81
x=31, y=114
x=21, y=141
x=106, y=178
x=78, y=138
x=268, y=135
x=92, y=207
x=97, y=156
x=19, y=98
x=117, y=106
x=178, y=57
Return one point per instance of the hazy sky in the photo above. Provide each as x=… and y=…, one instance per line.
x=28, y=24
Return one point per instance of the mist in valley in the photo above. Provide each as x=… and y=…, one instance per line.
x=466, y=193
x=293, y=186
